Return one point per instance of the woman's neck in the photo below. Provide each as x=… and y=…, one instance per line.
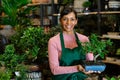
x=68, y=33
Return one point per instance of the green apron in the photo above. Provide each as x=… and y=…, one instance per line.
x=70, y=57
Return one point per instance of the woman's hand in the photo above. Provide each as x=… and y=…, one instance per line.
x=80, y=68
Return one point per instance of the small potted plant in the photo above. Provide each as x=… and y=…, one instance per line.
x=98, y=48
x=86, y=6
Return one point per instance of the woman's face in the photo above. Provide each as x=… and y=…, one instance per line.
x=68, y=22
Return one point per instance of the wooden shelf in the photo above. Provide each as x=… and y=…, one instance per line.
x=111, y=36
x=90, y=13
x=110, y=12
x=37, y=4
x=112, y=61
x=102, y=12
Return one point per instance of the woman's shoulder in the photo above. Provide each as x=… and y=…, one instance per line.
x=55, y=38
x=82, y=37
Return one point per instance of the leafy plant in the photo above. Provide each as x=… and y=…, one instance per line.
x=87, y=4
x=5, y=75
x=32, y=42
x=11, y=62
x=15, y=12
x=112, y=78
x=96, y=46
x=67, y=1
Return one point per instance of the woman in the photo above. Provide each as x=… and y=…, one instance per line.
x=65, y=51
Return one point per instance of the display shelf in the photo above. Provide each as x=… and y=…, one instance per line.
x=94, y=13
x=43, y=12
x=37, y=4
x=111, y=36
x=112, y=60
x=102, y=12
x=46, y=10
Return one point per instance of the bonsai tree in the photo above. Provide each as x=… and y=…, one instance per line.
x=96, y=46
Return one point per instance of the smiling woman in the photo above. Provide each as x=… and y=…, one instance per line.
x=64, y=50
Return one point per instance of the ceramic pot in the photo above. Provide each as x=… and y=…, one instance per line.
x=89, y=57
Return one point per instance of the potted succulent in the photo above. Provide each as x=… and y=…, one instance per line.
x=99, y=49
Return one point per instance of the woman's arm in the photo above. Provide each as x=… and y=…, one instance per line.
x=54, y=54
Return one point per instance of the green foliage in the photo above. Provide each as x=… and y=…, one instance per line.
x=27, y=45
x=5, y=75
x=87, y=4
x=55, y=30
x=113, y=78
x=15, y=12
x=96, y=46
x=32, y=42
x=67, y=1
x=11, y=61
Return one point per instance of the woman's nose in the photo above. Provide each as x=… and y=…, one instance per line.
x=68, y=22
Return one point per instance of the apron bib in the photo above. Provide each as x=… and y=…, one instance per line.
x=71, y=57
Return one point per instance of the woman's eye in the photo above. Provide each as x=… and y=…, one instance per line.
x=64, y=19
x=72, y=19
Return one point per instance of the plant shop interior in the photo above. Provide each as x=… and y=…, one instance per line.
x=27, y=25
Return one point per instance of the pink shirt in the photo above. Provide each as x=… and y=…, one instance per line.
x=54, y=52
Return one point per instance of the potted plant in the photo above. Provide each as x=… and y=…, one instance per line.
x=86, y=6
x=15, y=12
x=10, y=62
x=32, y=42
x=99, y=49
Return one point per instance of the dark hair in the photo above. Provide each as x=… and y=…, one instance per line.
x=67, y=10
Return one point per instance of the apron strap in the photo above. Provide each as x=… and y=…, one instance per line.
x=78, y=41
x=62, y=40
